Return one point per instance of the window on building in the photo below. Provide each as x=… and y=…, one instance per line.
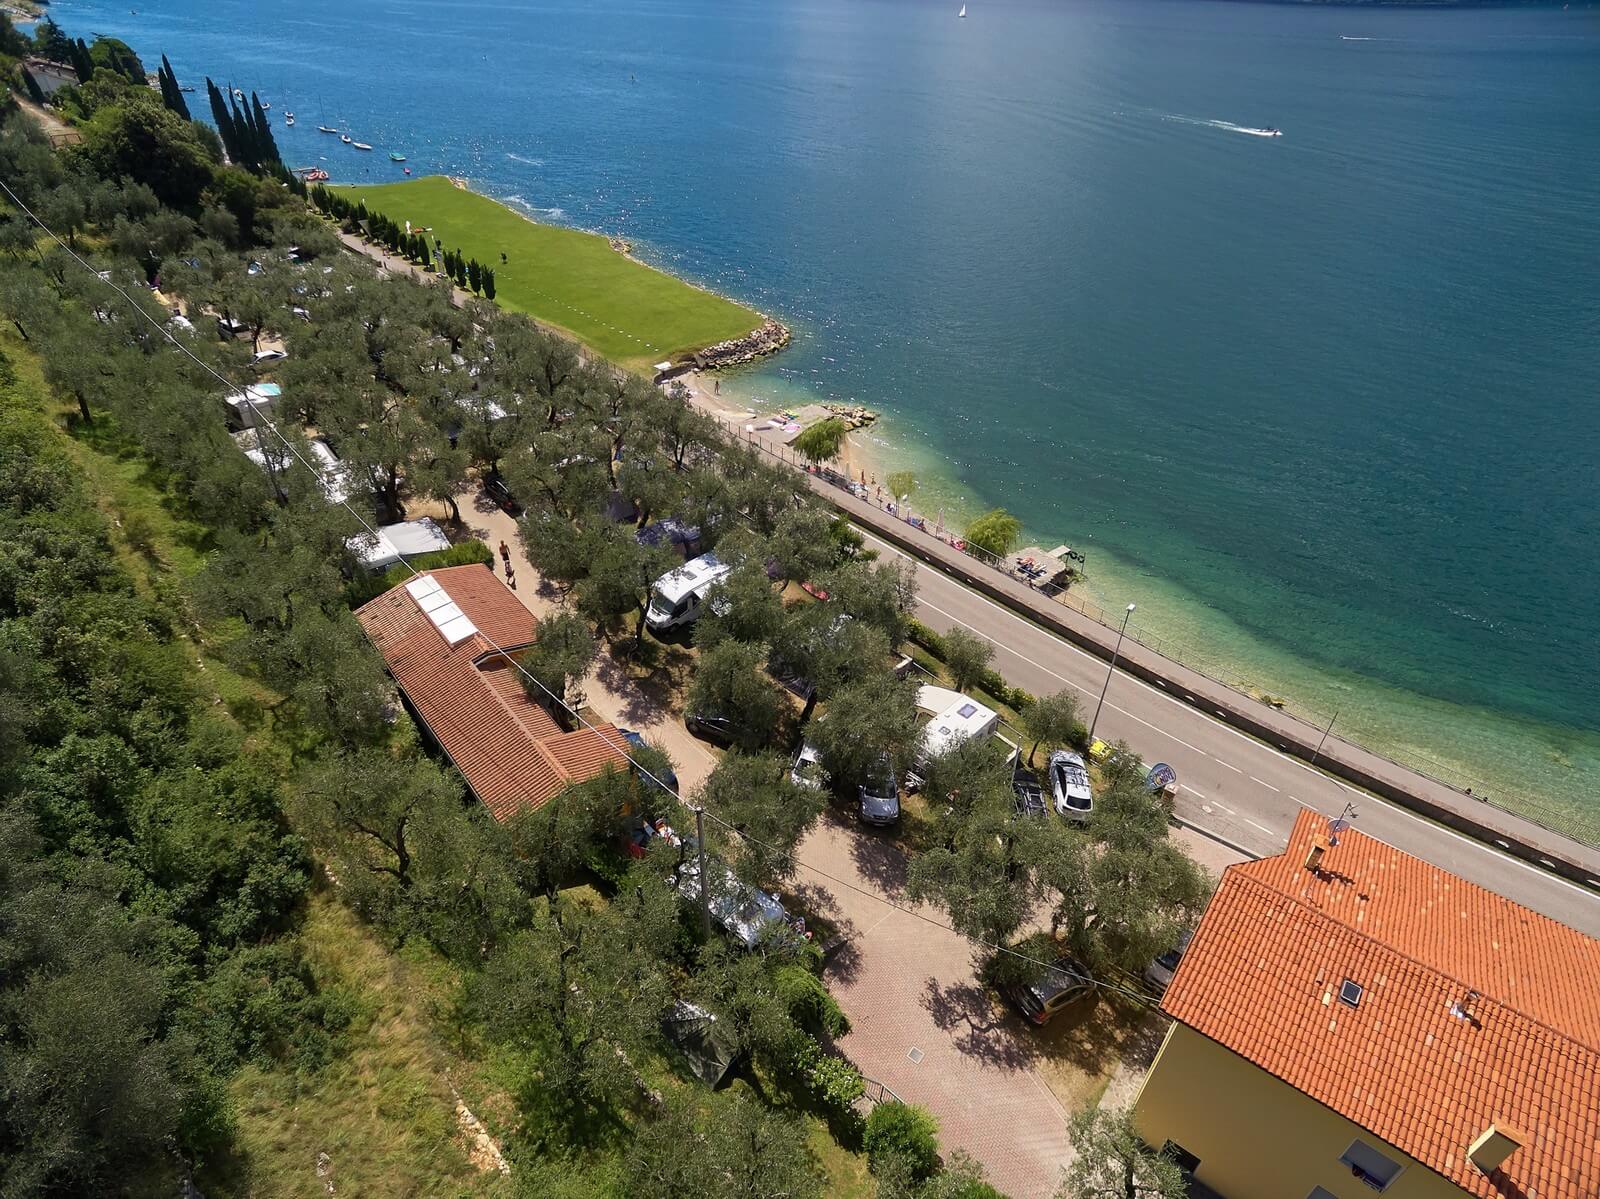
x=1350, y=992
x=1370, y=1166
x=1187, y=1162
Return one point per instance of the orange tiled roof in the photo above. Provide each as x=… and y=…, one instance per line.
x=512, y=753
x=1262, y=978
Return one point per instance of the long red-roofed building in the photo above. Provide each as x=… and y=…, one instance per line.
x=1351, y=1019
x=447, y=638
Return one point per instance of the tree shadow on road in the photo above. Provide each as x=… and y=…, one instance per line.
x=880, y=861
x=645, y=700
x=979, y=1028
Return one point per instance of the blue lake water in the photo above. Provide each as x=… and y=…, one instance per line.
x=1324, y=404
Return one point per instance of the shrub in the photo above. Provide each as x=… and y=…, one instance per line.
x=904, y=1131
x=809, y=1003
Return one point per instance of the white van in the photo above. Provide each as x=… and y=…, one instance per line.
x=678, y=596
x=954, y=718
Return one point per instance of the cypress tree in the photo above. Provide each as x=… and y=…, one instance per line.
x=423, y=256
x=224, y=122
x=81, y=62
x=488, y=282
x=178, y=104
x=267, y=144
x=245, y=132
x=35, y=92
x=474, y=275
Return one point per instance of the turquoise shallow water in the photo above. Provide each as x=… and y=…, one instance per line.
x=1324, y=404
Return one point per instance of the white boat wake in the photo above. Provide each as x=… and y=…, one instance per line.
x=1225, y=126
x=532, y=162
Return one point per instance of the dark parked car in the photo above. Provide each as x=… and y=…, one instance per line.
x=1158, y=974
x=1029, y=792
x=495, y=488
x=1053, y=989
x=713, y=726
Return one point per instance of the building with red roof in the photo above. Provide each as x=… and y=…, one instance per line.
x=1351, y=1019
x=449, y=638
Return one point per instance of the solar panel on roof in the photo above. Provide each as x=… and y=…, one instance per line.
x=453, y=624
x=457, y=629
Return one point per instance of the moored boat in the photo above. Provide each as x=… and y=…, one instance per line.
x=396, y=157
x=345, y=138
x=361, y=145
x=325, y=129
x=288, y=118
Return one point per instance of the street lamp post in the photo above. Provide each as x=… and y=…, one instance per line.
x=1111, y=670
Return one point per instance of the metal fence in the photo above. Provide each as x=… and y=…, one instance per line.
x=1579, y=826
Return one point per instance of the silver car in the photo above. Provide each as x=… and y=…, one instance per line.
x=1069, y=780
x=880, y=795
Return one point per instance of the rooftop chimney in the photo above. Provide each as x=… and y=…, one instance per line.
x=1319, y=846
x=1498, y=1142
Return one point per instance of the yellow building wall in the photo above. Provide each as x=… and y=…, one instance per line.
x=1256, y=1136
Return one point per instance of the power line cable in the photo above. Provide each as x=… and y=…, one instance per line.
x=624, y=748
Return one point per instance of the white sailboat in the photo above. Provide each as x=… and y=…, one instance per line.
x=963, y=11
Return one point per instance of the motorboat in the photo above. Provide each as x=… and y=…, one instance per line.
x=397, y=157
x=361, y=145
x=325, y=129
x=1273, y=132
x=346, y=138
x=288, y=118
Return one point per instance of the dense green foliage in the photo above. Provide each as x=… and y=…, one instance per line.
x=905, y=1132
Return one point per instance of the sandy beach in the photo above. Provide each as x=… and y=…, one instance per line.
x=857, y=458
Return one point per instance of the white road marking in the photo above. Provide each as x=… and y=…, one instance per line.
x=1230, y=766
x=1224, y=807
x=1260, y=826
x=1265, y=784
x=1190, y=790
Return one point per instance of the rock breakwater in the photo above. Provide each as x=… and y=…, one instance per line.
x=768, y=339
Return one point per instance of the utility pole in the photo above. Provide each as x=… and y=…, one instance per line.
x=1324, y=739
x=705, y=882
x=1111, y=670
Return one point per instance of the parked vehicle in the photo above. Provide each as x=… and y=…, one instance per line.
x=1051, y=991
x=1029, y=793
x=807, y=770
x=1158, y=974
x=713, y=726
x=495, y=488
x=880, y=795
x=265, y=357
x=1069, y=782
x=666, y=779
x=742, y=911
x=678, y=596
x=953, y=718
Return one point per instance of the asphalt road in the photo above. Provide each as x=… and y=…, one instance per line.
x=1232, y=785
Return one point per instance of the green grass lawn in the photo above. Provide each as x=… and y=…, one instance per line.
x=630, y=313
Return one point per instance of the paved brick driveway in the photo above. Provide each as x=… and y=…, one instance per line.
x=910, y=986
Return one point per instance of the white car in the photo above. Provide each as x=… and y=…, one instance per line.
x=262, y=357
x=807, y=770
x=1069, y=781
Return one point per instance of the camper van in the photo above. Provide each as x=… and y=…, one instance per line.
x=678, y=596
x=953, y=718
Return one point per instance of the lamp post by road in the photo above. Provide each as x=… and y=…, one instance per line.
x=1111, y=670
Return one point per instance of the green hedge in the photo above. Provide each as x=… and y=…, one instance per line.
x=1013, y=697
x=904, y=1131
x=369, y=585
